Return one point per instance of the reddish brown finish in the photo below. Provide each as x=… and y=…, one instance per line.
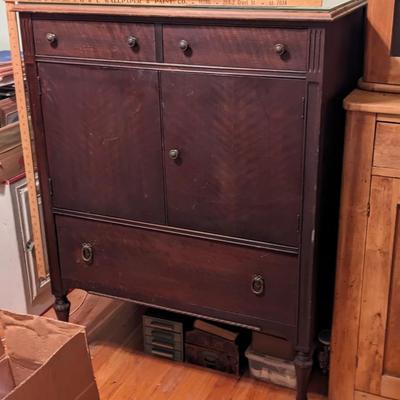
x=239, y=172
x=167, y=263
x=103, y=140
x=170, y=270
x=104, y=40
x=236, y=47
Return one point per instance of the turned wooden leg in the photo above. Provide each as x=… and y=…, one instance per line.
x=62, y=306
x=303, y=364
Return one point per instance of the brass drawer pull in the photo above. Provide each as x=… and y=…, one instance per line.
x=173, y=154
x=184, y=45
x=51, y=38
x=258, y=285
x=87, y=253
x=132, y=41
x=280, y=49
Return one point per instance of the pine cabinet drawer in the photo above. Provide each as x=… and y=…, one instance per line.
x=387, y=146
x=184, y=273
x=244, y=47
x=101, y=40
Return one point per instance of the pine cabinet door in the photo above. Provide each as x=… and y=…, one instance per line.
x=378, y=370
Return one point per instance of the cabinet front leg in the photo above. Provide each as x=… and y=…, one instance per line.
x=61, y=307
x=303, y=364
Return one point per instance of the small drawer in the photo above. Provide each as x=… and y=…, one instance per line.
x=174, y=343
x=101, y=40
x=261, y=48
x=163, y=352
x=387, y=146
x=159, y=323
x=165, y=336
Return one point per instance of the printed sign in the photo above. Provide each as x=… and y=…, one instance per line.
x=189, y=3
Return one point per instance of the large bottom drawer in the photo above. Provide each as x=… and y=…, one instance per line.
x=206, y=277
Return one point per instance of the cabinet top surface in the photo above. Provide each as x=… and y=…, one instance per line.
x=319, y=10
x=373, y=102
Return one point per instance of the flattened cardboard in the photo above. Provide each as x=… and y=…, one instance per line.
x=47, y=359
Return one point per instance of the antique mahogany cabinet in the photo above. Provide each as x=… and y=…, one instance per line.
x=189, y=158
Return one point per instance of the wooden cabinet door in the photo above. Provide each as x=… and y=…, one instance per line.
x=103, y=140
x=240, y=144
x=378, y=370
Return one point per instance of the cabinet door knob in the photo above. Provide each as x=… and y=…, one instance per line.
x=258, y=285
x=132, y=41
x=184, y=45
x=173, y=154
x=280, y=49
x=51, y=37
x=87, y=253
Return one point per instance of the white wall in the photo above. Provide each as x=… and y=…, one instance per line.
x=3, y=27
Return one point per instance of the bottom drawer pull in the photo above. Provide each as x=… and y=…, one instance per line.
x=258, y=285
x=87, y=253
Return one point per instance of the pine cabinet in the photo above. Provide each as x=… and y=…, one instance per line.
x=366, y=340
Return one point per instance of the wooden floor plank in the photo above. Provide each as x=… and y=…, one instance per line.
x=124, y=372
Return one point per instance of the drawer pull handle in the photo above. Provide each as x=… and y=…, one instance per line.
x=173, y=154
x=162, y=325
x=184, y=45
x=258, y=285
x=132, y=41
x=87, y=253
x=51, y=38
x=280, y=49
x=157, y=343
x=162, y=354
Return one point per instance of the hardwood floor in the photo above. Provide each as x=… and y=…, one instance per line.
x=124, y=372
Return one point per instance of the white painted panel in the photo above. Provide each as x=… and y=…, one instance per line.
x=4, y=44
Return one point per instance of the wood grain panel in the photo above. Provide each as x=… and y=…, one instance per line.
x=387, y=146
x=103, y=140
x=396, y=30
x=92, y=39
x=392, y=347
x=366, y=396
x=390, y=386
x=359, y=145
x=240, y=166
x=380, y=67
x=176, y=272
x=380, y=252
x=237, y=46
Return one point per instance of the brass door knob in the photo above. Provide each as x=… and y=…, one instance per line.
x=173, y=154
x=257, y=285
x=280, y=49
x=87, y=253
x=184, y=45
x=51, y=37
x=132, y=41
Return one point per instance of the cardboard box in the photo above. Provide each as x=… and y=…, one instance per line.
x=44, y=359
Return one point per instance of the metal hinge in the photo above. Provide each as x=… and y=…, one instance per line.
x=303, y=112
x=51, y=188
x=368, y=209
